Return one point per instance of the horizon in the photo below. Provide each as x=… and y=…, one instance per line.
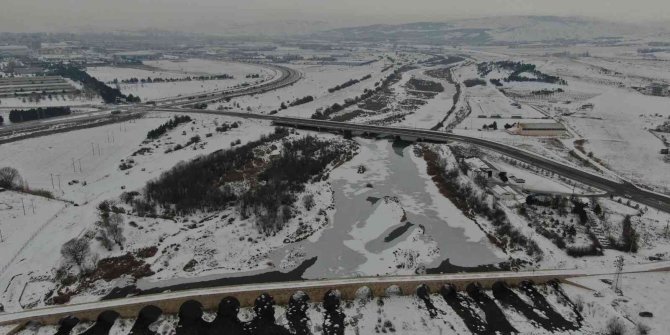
x=289, y=17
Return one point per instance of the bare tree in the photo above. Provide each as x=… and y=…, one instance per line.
x=115, y=229
x=308, y=201
x=76, y=250
x=10, y=178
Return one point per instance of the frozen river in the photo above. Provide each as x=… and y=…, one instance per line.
x=399, y=224
x=396, y=220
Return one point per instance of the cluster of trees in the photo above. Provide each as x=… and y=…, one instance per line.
x=547, y=92
x=16, y=115
x=162, y=129
x=302, y=160
x=664, y=128
x=150, y=80
x=10, y=178
x=253, y=76
x=301, y=101
x=348, y=83
x=579, y=208
x=517, y=69
x=76, y=251
x=110, y=225
x=474, y=82
x=389, y=80
x=479, y=204
x=202, y=184
x=424, y=85
x=2, y=120
x=628, y=241
x=492, y=126
x=496, y=82
x=108, y=94
x=227, y=126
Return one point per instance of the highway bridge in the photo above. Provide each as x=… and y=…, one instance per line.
x=615, y=187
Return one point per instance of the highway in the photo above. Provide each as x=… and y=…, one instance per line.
x=620, y=188
x=287, y=77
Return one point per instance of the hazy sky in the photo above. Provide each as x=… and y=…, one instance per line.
x=214, y=16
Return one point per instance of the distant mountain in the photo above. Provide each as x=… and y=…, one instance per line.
x=493, y=30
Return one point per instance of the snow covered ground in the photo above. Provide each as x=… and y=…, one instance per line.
x=316, y=81
x=166, y=69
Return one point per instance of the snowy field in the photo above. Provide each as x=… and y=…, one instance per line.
x=316, y=81
x=85, y=168
x=166, y=69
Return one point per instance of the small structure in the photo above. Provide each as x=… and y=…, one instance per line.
x=504, y=193
x=665, y=151
x=478, y=166
x=538, y=129
x=518, y=180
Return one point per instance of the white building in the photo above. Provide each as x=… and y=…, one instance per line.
x=478, y=166
x=506, y=194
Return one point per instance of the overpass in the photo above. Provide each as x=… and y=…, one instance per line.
x=621, y=188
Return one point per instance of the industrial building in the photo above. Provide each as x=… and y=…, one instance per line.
x=538, y=129
x=14, y=50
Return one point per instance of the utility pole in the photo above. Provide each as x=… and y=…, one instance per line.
x=32, y=204
x=74, y=169
x=52, y=181
x=80, y=165
x=92, y=148
x=24, y=206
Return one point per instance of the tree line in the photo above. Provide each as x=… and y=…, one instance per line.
x=18, y=115
x=203, y=184
x=171, y=124
x=367, y=93
x=108, y=94
x=150, y=80
x=348, y=83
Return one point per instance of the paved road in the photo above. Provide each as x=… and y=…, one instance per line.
x=287, y=77
x=621, y=188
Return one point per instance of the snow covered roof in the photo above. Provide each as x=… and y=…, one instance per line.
x=476, y=163
x=542, y=126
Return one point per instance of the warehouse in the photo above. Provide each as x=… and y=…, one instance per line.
x=539, y=129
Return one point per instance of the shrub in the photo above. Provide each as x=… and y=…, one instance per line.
x=615, y=327
x=10, y=178
x=76, y=250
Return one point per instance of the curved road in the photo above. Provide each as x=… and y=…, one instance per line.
x=287, y=77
